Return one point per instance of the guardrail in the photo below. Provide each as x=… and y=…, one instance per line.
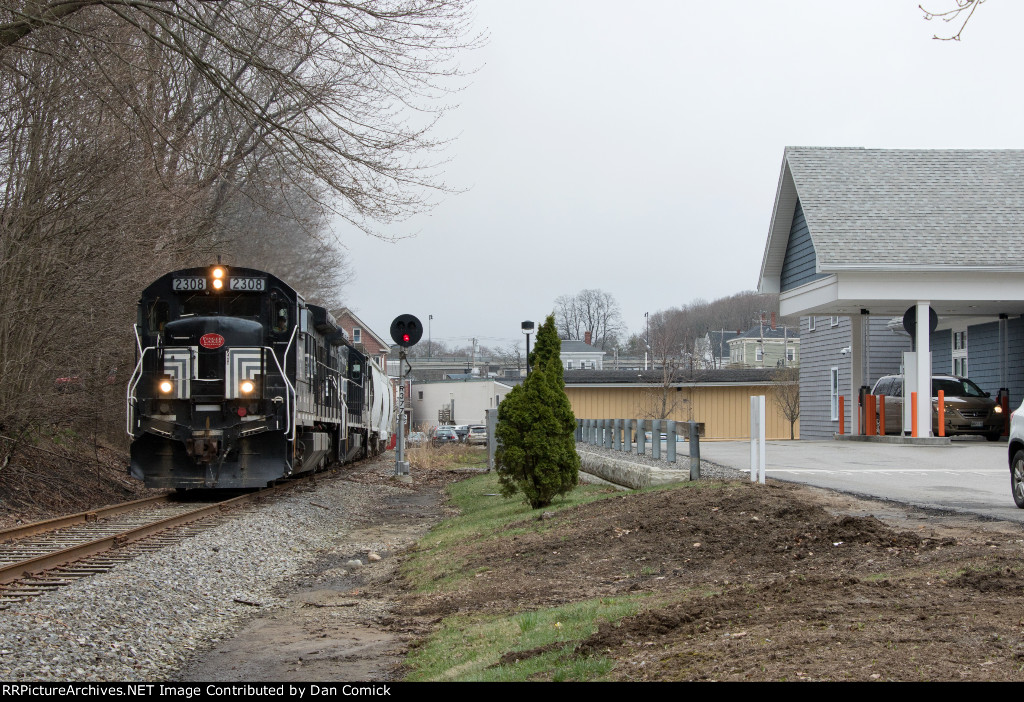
x=632, y=435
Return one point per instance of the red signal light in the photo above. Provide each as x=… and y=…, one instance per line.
x=406, y=330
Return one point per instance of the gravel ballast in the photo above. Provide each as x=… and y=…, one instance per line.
x=144, y=619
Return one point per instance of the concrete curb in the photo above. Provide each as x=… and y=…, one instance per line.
x=633, y=475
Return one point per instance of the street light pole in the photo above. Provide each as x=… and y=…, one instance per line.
x=527, y=327
x=430, y=339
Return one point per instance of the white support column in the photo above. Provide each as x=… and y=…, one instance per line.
x=856, y=370
x=924, y=369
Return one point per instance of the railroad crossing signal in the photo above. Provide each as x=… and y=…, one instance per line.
x=406, y=330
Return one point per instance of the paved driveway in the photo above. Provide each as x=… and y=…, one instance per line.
x=967, y=476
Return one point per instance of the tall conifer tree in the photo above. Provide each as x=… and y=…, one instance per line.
x=536, y=429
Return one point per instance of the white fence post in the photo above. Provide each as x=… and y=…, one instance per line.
x=757, y=435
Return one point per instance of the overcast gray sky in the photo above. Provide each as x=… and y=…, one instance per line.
x=636, y=147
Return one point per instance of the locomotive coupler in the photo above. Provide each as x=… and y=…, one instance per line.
x=204, y=446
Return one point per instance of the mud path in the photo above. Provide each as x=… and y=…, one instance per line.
x=336, y=623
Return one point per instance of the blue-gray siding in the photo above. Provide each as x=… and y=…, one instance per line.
x=984, y=354
x=821, y=350
x=941, y=344
x=799, y=265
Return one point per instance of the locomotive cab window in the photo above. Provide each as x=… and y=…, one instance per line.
x=279, y=312
x=199, y=305
x=242, y=306
x=159, y=314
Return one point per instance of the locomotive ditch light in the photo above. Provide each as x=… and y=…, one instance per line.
x=406, y=330
x=246, y=386
x=166, y=386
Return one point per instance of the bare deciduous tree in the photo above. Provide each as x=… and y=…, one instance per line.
x=138, y=137
x=787, y=391
x=963, y=10
x=347, y=91
x=594, y=311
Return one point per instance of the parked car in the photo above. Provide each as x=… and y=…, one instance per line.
x=444, y=435
x=416, y=438
x=1016, y=455
x=968, y=408
x=477, y=434
x=462, y=430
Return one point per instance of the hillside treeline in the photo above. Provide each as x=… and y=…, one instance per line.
x=140, y=137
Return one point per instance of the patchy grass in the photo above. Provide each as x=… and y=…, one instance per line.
x=484, y=515
x=447, y=457
x=536, y=645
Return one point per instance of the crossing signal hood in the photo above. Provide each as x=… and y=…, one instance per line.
x=406, y=330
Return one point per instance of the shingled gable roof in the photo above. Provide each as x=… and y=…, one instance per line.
x=575, y=346
x=900, y=209
x=766, y=332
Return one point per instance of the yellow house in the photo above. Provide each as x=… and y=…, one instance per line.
x=719, y=399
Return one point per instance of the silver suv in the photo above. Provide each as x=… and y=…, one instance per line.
x=1016, y=455
x=477, y=434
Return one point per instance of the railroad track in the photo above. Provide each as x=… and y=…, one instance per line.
x=43, y=556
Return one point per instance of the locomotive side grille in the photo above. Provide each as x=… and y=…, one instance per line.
x=241, y=364
x=178, y=367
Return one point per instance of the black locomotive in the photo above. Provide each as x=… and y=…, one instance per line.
x=240, y=382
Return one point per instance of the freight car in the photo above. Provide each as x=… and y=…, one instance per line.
x=240, y=382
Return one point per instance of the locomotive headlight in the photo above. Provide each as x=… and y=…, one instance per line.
x=166, y=386
x=247, y=386
x=218, y=283
x=218, y=278
x=218, y=273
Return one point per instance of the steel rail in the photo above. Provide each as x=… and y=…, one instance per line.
x=26, y=530
x=34, y=566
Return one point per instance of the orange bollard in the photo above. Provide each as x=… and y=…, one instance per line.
x=881, y=415
x=842, y=416
x=913, y=414
x=869, y=412
x=942, y=412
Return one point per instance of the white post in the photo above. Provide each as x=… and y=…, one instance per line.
x=757, y=437
x=924, y=371
x=753, y=438
x=857, y=378
x=762, y=420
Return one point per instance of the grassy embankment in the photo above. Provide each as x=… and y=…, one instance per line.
x=476, y=647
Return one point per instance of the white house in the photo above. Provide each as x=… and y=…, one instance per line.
x=580, y=355
x=455, y=401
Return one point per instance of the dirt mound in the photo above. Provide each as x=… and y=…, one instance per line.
x=1002, y=580
x=868, y=530
x=747, y=582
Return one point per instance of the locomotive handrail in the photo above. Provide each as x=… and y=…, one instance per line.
x=294, y=417
x=289, y=395
x=133, y=382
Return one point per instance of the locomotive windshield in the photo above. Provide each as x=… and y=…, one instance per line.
x=201, y=305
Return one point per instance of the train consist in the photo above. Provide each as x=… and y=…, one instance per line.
x=240, y=382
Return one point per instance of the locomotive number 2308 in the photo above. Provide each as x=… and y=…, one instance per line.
x=190, y=284
x=248, y=284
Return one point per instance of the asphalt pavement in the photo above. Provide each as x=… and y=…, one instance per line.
x=969, y=475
